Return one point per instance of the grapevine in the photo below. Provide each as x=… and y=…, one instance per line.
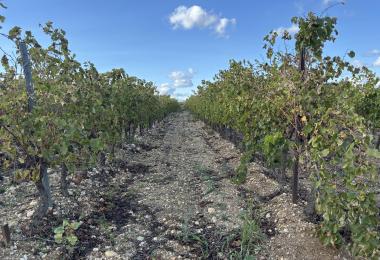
x=301, y=111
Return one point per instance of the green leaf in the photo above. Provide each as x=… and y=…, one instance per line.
x=14, y=32
x=58, y=238
x=59, y=230
x=325, y=152
x=75, y=225
x=373, y=153
x=96, y=144
x=65, y=223
x=63, y=149
x=5, y=61
x=351, y=54
x=72, y=239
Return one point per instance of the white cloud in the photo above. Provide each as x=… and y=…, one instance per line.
x=292, y=30
x=180, y=86
x=377, y=62
x=181, y=95
x=182, y=79
x=328, y=2
x=196, y=17
x=222, y=25
x=164, y=89
x=374, y=52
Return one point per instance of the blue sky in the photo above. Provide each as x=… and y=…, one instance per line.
x=176, y=44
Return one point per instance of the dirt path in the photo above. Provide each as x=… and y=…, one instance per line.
x=188, y=192
x=170, y=196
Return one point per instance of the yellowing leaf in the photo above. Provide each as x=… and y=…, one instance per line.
x=325, y=152
x=342, y=135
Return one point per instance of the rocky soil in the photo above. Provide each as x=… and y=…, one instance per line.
x=168, y=196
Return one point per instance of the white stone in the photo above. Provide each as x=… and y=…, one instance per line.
x=29, y=213
x=110, y=253
x=211, y=210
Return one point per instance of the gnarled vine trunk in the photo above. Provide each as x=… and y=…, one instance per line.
x=64, y=185
x=102, y=159
x=43, y=187
x=297, y=131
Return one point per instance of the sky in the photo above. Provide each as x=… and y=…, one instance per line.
x=177, y=44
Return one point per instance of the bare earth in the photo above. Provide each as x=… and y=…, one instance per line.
x=170, y=196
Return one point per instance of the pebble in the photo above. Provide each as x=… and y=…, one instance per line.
x=140, y=238
x=211, y=210
x=33, y=203
x=29, y=213
x=110, y=254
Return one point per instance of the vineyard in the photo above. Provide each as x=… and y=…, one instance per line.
x=316, y=115
x=270, y=160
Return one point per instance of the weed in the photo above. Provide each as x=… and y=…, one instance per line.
x=65, y=233
x=185, y=229
x=206, y=176
x=188, y=236
x=203, y=244
x=224, y=217
x=221, y=206
x=249, y=239
x=242, y=170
